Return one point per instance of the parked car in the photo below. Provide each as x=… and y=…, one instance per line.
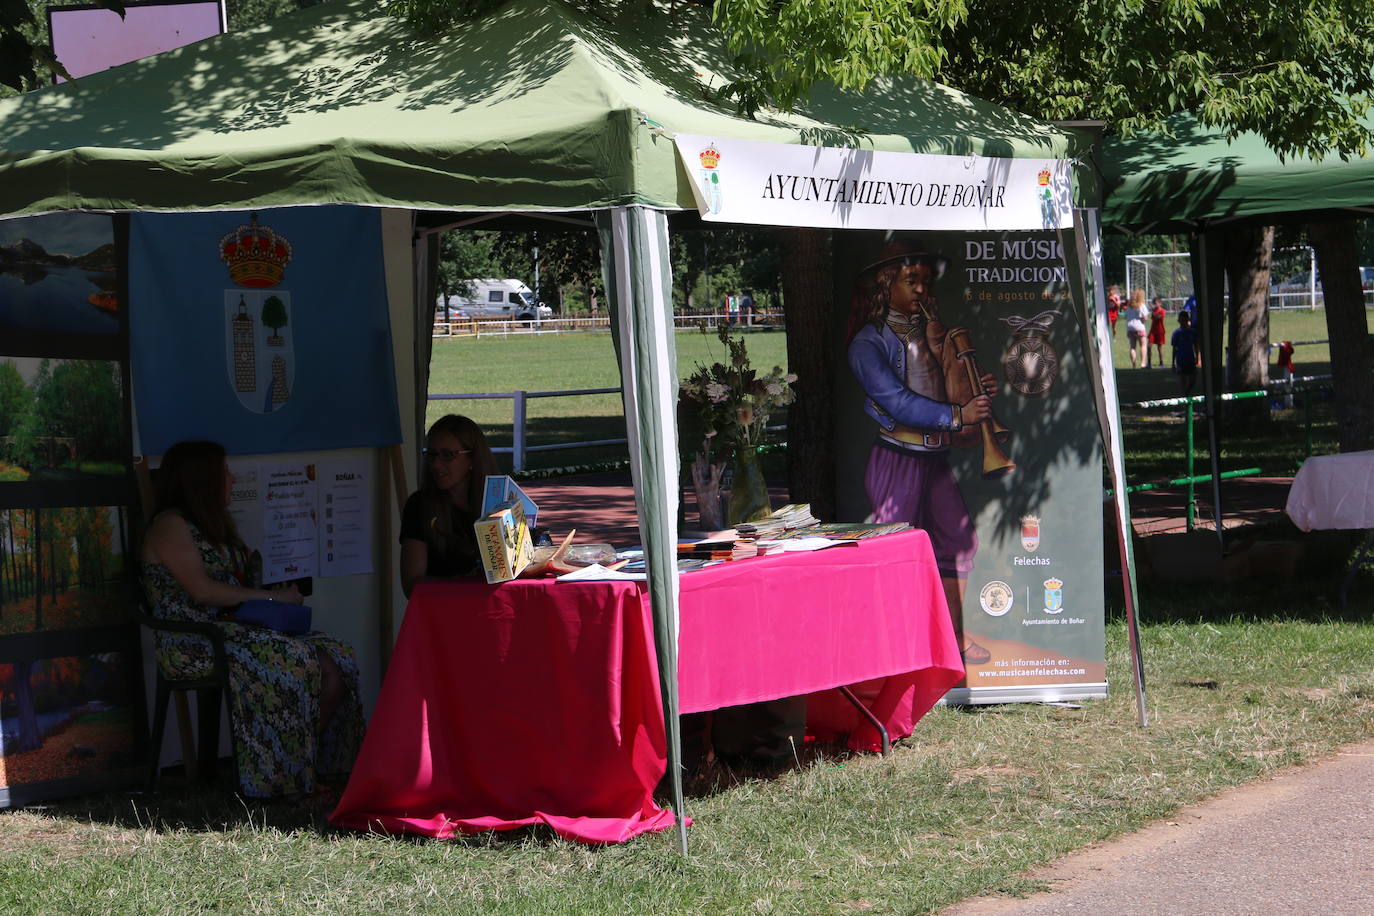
x=496, y=299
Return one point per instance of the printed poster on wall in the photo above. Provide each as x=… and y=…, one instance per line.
x=71, y=707
x=290, y=546
x=266, y=331
x=345, y=507
x=341, y=514
x=964, y=407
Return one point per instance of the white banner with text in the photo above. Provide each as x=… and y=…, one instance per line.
x=779, y=184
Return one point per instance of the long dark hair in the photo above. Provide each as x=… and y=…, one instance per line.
x=873, y=291
x=191, y=482
x=439, y=533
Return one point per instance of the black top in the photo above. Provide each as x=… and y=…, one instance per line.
x=460, y=558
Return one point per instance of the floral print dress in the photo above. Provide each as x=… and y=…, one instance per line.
x=275, y=685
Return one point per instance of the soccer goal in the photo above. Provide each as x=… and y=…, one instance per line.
x=1168, y=276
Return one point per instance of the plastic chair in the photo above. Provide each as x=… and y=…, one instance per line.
x=209, y=688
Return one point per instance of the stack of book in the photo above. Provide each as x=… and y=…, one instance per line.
x=843, y=531
x=722, y=549
x=790, y=517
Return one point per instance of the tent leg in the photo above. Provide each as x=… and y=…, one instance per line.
x=634, y=245
x=1207, y=268
x=1097, y=345
x=872, y=719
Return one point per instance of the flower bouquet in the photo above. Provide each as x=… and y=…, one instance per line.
x=732, y=403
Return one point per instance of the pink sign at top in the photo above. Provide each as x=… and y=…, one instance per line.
x=87, y=41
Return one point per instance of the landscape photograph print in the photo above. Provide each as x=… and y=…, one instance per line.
x=64, y=718
x=58, y=275
x=60, y=419
x=61, y=569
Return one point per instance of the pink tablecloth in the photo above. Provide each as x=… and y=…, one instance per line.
x=537, y=701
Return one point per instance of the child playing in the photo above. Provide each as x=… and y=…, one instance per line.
x=1184, y=343
x=1157, y=319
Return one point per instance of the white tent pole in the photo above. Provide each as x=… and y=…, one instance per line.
x=1098, y=347
x=640, y=291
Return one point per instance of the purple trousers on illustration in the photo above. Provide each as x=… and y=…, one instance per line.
x=919, y=488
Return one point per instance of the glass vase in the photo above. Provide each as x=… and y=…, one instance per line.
x=749, y=491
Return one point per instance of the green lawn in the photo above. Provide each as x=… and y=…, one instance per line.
x=1155, y=438
x=1290, y=324
x=557, y=363
x=1242, y=683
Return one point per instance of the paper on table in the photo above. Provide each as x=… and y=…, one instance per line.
x=803, y=544
x=598, y=573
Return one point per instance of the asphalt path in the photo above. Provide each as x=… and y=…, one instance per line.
x=1298, y=842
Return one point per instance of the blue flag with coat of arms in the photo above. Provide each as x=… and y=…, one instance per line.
x=266, y=331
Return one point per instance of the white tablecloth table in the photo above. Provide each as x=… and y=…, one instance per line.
x=1336, y=491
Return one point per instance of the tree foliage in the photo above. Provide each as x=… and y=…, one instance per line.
x=15, y=398
x=1294, y=71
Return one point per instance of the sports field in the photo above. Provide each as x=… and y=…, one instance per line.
x=560, y=362
x=557, y=362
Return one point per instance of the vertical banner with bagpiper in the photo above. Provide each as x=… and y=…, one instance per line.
x=964, y=409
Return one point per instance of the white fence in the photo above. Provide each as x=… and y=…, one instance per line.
x=476, y=327
x=1293, y=279
x=520, y=447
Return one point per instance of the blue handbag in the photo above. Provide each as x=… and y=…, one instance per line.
x=282, y=616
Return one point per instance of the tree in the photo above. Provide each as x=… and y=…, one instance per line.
x=274, y=317
x=566, y=260
x=1296, y=73
x=16, y=403
x=29, y=737
x=1347, y=328
x=1248, y=253
x=466, y=255
x=80, y=399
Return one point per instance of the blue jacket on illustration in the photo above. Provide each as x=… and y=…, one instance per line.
x=877, y=358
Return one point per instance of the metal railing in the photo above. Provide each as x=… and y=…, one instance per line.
x=478, y=327
x=1286, y=389
x=520, y=448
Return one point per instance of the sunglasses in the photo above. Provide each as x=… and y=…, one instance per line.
x=444, y=454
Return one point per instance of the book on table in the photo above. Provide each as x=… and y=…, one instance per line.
x=843, y=531
x=503, y=541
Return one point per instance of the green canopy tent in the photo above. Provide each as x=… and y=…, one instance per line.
x=1191, y=178
x=536, y=110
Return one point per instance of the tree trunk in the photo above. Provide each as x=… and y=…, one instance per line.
x=805, y=259
x=1347, y=327
x=37, y=541
x=1248, y=256
x=29, y=738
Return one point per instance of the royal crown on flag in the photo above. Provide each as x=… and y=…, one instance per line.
x=256, y=255
x=710, y=157
x=1044, y=177
x=1053, y=584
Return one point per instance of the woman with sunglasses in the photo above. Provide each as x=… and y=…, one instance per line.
x=437, y=540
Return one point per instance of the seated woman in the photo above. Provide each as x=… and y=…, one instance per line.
x=294, y=699
x=437, y=540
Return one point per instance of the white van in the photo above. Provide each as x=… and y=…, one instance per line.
x=496, y=299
